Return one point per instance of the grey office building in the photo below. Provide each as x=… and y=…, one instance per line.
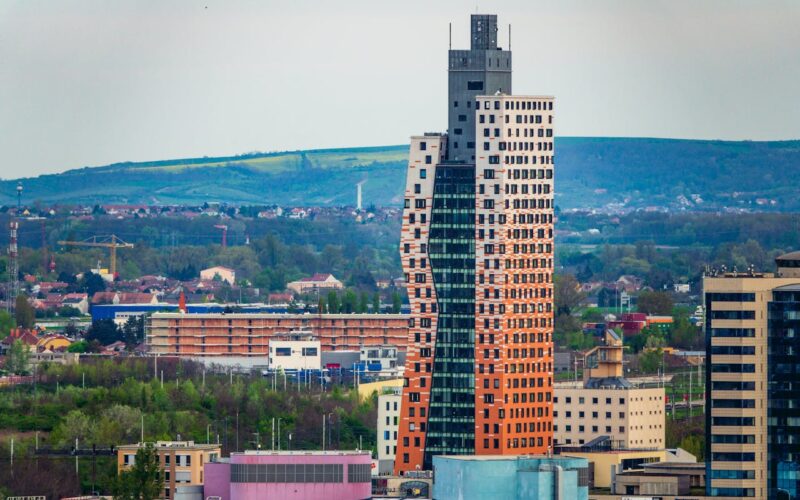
x=484, y=69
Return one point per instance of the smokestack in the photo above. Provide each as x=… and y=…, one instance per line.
x=358, y=196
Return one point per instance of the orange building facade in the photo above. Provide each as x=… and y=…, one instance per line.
x=219, y=335
x=477, y=249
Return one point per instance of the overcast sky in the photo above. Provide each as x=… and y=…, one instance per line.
x=86, y=82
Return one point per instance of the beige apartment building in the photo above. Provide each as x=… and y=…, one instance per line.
x=181, y=461
x=752, y=343
x=606, y=407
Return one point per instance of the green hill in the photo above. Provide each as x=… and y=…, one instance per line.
x=590, y=172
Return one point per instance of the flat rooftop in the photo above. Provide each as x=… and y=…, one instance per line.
x=302, y=453
x=172, y=445
x=485, y=458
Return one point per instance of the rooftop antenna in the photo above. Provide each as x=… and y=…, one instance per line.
x=509, y=36
x=450, y=37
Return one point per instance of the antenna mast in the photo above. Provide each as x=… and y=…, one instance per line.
x=13, y=272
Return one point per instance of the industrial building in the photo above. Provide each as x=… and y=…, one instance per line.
x=291, y=475
x=509, y=477
x=477, y=251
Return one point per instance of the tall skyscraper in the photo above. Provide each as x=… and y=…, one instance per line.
x=477, y=250
x=753, y=382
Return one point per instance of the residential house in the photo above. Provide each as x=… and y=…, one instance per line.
x=225, y=274
x=316, y=282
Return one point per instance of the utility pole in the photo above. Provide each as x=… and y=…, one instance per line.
x=324, y=417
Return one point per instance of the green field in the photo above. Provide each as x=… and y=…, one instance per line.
x=590, y=172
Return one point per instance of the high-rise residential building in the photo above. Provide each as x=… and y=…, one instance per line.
x=477, y=250
x=753, y=380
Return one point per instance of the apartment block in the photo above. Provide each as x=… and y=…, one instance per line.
x=388, y=423
x=753, y=369
x=182, y=462
x=477, y=250
x=248, y=335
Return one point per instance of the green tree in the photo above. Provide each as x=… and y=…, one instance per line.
x=92, y=283
x=24, y=312
x=117, y=424
x=321, y=305
x=397, y=302
x=658, y=303
x=80, y=346
x=683, y=334
x=6, y=324
x=694, y=444
x=376, y=303
x=333, y=302
x=105, y=331
x=18, y=358
x=76, y=425
x=143, y=481
x=349, y=302
x=650, y=361
x=363, y=302
x=568, y=296
x=133, y=330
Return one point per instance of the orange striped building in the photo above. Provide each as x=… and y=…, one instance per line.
x=218, y=334
x=477, y=250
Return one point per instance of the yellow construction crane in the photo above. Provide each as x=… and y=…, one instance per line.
x=111, y=242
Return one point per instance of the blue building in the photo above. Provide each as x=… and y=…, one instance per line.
x=501, y=477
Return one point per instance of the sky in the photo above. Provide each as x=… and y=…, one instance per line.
x=92, y=82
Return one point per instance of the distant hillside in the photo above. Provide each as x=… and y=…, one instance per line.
x=590, y=172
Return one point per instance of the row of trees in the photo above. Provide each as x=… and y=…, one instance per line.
x=102, y=402
x=279, y=251
x=356, y=302
x=661, y=267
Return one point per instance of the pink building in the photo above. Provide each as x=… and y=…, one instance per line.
x=291, y=475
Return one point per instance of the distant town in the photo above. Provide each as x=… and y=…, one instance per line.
x=456, y=335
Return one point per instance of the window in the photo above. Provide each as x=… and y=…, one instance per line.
x=309, y=351
x=738, y=315
x=474, y=85
x=428, y=159
x=423, y=146
x=494, y=160
x=462, y=118
x=423, y=173
x=283, y=351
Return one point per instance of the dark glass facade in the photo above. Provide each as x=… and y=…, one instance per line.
x=451, y=420
x=783, y=412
